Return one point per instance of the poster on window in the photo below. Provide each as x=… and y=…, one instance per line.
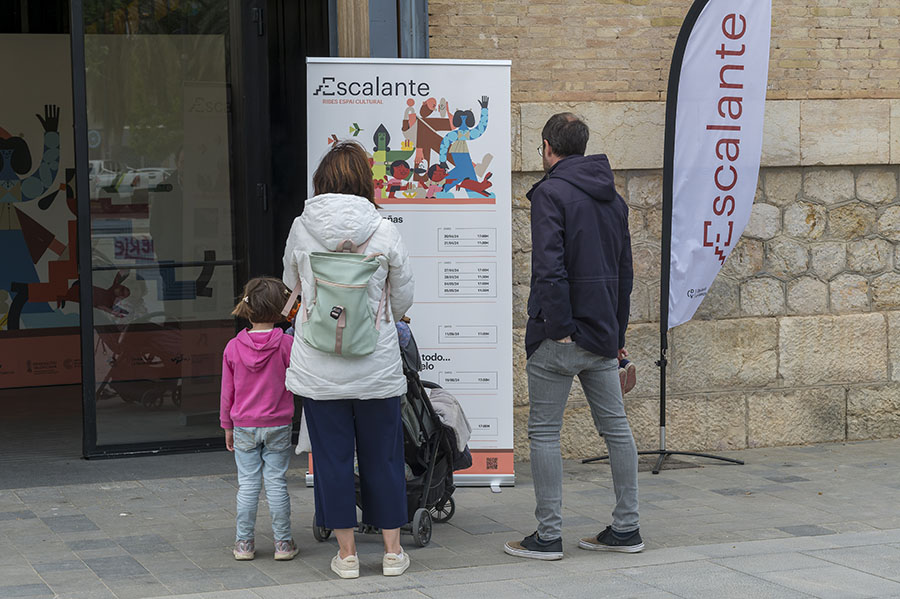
x=39, y=276
x=437, y=133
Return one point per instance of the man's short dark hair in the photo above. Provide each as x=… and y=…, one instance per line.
x=567, y=134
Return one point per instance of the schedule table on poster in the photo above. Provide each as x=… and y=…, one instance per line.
x=468, y=279
x=467, y=239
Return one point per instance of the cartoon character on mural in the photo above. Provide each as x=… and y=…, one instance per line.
x=456, y=145
x=425, y=130
x=383, y=156
x=434, y=138
x=23, y=241
x=434, y=176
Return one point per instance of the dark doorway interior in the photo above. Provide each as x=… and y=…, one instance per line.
x=40, y=422
x=297, y=30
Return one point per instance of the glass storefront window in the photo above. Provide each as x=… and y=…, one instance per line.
x=162, y=241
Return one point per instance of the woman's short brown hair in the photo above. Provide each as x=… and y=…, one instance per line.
x=345, y=169
x=262, y=300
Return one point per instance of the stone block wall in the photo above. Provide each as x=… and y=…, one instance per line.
x=619, y=50
x=793, y=343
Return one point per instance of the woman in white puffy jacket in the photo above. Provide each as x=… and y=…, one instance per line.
x=353, y=402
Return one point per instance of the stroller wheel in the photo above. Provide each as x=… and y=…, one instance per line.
x=442, y=513
x=421, y=527
x=176, y=396
x=320, y=533
x=152, y=399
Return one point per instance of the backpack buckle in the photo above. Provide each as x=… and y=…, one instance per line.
x=336, y=312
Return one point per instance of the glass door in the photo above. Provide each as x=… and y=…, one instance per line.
x=162, y=235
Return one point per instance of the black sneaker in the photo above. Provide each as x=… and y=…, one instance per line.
x=608, y=541
x=536, y=548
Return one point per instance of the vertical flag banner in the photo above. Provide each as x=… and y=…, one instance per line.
x=713, y=153
x=437, y=133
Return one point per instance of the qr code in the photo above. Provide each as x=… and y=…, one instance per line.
x=491, y=464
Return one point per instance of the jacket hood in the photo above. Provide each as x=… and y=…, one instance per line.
x=255, y=349
x=591, y=174
x=332, y=218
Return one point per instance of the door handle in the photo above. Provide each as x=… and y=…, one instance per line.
x=263, y=196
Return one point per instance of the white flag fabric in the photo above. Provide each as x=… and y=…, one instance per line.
x=718, y=141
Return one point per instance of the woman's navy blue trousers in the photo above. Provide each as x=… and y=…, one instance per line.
x=373, y=427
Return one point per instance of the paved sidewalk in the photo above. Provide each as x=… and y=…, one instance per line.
x=818, y=521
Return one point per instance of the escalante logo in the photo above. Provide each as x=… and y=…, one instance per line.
x=692, y=293
x=377, y=87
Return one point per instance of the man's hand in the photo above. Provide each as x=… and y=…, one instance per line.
x=567, y=339
x=483, y=102
x=229, y=439
x=623, y=353
x=50, y=120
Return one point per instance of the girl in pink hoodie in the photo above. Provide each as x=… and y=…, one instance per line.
x=256, y=412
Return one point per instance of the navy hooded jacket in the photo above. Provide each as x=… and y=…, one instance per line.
x=581, y=272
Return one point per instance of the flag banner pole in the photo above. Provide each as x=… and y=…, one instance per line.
x=715, y=105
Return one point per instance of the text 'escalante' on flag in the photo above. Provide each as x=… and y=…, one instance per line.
x=718, y=130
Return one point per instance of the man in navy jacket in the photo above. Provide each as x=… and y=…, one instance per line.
x=581, y=279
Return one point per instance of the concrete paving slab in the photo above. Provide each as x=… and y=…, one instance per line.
x=606, y=584
x=87, y=594
x=26, y=590
x=68, y=565
x=122, y=567
x=834, y=582
x=504, y=589
x=806, y=530
x=880, y=560
x=704, y=580
x=300, y=591
x=771, y=562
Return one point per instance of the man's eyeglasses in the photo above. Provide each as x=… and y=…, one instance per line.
x=541, y=150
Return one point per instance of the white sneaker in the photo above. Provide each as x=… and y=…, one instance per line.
x=347, y=567
x=393, y=564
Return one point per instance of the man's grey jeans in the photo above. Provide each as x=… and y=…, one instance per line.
x=551, y=369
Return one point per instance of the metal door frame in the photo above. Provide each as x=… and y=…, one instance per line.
x=250, y=180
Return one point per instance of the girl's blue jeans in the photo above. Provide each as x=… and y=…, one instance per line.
x=263, y=454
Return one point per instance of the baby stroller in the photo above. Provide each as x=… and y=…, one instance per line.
x=431, y=458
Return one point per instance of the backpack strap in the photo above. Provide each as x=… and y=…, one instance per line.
x=339, y=338
x=383, y=305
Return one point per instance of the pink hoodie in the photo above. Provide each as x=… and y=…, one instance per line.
x=253, y=392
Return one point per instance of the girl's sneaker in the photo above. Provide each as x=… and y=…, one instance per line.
x=394, y=564
x=244, y=550
x=285, y=550
x=347, y=567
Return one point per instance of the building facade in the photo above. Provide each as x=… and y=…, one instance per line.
x=796, y=341
x=183, y=121
x=153, y=159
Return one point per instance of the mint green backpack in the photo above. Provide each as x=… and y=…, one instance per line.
x=339, y=319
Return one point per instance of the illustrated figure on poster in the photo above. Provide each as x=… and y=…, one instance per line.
x=456, y=145
x=4, y=309
x=60, y=272
x=427, y=131
x=22, y=239
x=383, y=156
x=401, y=174
x=434, y=180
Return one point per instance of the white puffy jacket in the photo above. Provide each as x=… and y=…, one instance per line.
x=327, y=221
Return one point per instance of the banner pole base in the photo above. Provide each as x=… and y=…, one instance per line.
x=664, y=453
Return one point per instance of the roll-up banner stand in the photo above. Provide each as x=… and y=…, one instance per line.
x=438, y=136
